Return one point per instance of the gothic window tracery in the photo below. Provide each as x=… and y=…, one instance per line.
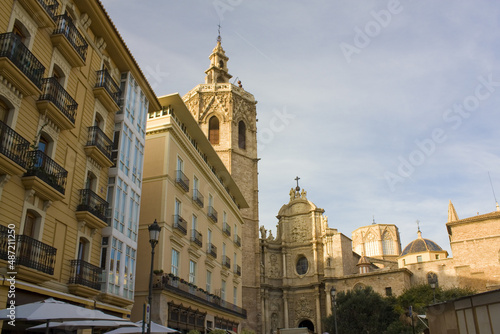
x=213, y=130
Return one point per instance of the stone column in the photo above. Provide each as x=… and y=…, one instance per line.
x=318, y=312
x=285, y=307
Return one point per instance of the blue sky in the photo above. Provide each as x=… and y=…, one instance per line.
x=385, y=109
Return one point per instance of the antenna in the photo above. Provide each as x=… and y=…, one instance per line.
x=493, y=190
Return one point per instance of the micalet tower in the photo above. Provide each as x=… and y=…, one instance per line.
x=227, y=115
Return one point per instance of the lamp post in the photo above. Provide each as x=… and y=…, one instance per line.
x=432, y=279
x=333, y=293
x=154, y=234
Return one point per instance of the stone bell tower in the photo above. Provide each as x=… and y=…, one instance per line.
x=228, y=116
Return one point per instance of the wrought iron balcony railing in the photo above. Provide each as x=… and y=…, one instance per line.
x=226, y=262
x=188, y=290
x=66, y=27
x=13, y=48
x=198, y=198
x=30, y=252
x=93, y=203
x=86, y=274
x=98, y=138
x=182, y=180
x=226, y=229
x=50, y=6
x=237, y=270
x=13, y=145
x=105, y=81
x=212, y=250
x=196, y=238
x=212, y=214
x=237, y=240
x=180, y=224
x=43, y=167
x=53, y=91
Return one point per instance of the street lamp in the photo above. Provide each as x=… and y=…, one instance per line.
x=333, y=293
x=432, y=280
x=154, y=234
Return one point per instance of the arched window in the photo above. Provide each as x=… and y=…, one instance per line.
x=242, y=139
x=213, y=130
x=20, y=30
x=4, y=112
x=387, y=244
x=371, y=246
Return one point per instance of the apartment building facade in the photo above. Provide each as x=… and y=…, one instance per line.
x=61, y=67
x=190, y=193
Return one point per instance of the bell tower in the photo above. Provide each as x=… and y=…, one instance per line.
x=227, y=115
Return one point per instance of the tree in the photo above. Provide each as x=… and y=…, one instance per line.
x=361, y=311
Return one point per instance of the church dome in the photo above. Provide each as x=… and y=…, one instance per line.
x=420, y=245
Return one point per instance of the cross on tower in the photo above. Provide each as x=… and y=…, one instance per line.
x=297, y=179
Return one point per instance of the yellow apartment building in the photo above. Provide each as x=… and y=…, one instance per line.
x=63, y=69
x=190, y=193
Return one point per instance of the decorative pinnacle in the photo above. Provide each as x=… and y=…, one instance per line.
x=297, y=179
x=218, y=37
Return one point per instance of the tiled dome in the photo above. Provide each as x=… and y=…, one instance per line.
x=421, y=245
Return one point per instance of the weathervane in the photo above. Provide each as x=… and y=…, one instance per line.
x=297, y=179
x=218, y=37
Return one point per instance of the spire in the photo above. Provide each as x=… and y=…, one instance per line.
x=452, y=214
x=418, y=227
x=217, y=72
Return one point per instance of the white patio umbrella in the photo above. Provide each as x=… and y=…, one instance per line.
x=53, y=310
x=83, y=324
x=155, y=328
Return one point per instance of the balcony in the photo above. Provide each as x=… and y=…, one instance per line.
x=237, y=240
x=45, y=176
x=237, y=270
x=180, y=224
x=198, y=198
x=212, y=250
x=84, y=279
x=69, y=41
x=107, y=91
x=34, y=260
x=189, y=291
x=226, y=262
x=99, y=147
x=226, y=229
x=42, y=11
x=57, y=104
x=92, y=209
x=196, y=238
x=13, y=151
x=181, y=180
x=212, y=214
x=19, y=66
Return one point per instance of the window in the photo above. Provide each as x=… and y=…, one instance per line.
x=194, y=223
x=30, y=225
x=180, y=164
x=242, y=142
x=419, y=258
x=175, y=262
x=437, y=256
x=302, y=265
x=387, y=244
x=125, y=150
x=371, y=246
x=104, y=252
x=209, y=236
x=114, y=267
x=213, y=130
x=235, y=295
x=388, y=291
x=4, y=112
x=223, y=251
x=223, y=290
x=209, y=281
x=120, y=204
x=83, y=249
x=178, y=207
x=128, y=281
x=192, y=272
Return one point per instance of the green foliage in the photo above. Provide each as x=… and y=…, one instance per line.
x=361, y=311
x=247, y=331
x=218, y=331
x=365, y=311
x=193, y=331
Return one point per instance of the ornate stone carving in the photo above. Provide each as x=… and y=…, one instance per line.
x=274, y=269
x=303, y=309
x=299, y=232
